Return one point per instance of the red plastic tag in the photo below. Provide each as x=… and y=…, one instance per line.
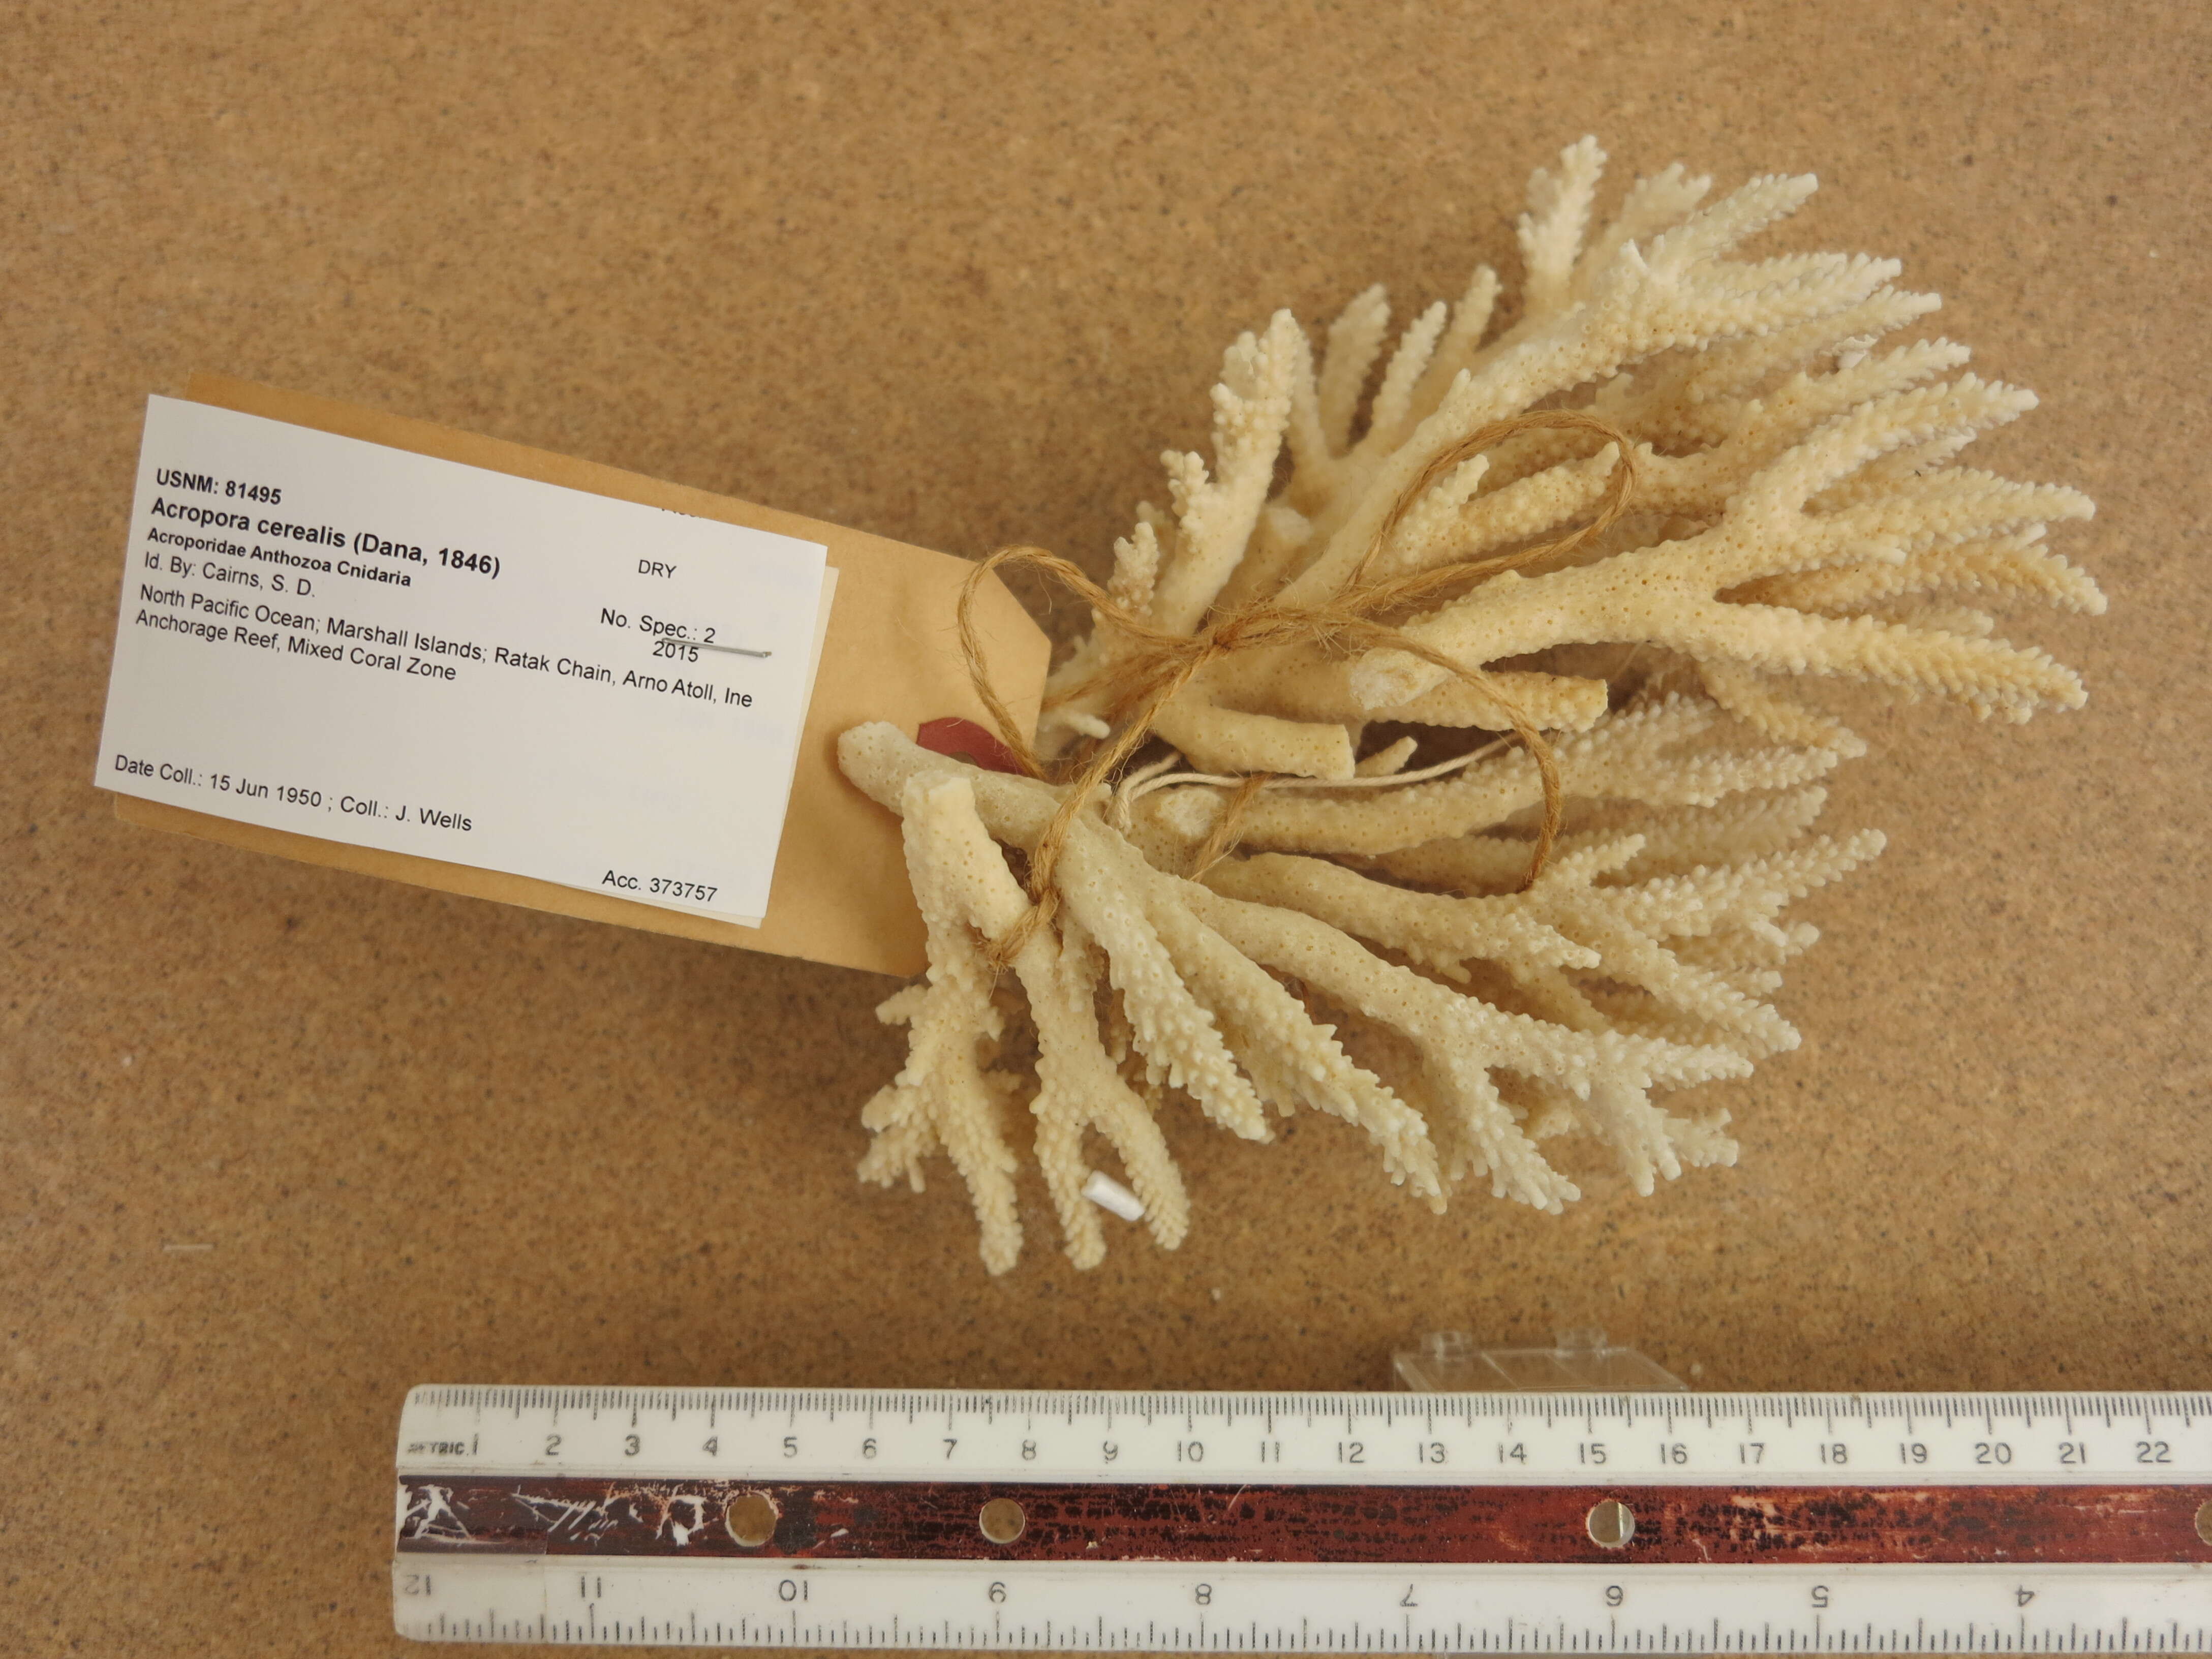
x=965, y=740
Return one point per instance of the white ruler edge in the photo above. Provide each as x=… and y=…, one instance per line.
x=1885, y=1439
x=1254, y=1608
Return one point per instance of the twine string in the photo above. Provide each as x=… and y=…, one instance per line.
x=1155, y=665
x=1223, y=836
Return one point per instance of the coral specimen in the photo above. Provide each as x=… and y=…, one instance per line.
x=1631, y=528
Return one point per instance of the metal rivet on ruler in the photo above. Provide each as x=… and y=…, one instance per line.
x=751, y=1517
x=2204, y=1521
x=1612, y=1523
x=1002, y=1520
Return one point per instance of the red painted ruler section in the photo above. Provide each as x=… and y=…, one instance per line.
x=933, y=1521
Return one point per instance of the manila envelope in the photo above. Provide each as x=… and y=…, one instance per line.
x=892, y=652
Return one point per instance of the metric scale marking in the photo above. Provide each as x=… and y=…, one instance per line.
x=1297, y=1522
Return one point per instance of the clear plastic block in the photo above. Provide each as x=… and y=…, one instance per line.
x=1582, y=1362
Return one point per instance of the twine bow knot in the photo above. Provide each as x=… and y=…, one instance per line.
x=1155, y=665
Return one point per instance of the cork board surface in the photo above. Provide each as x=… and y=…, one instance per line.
x=955, y=275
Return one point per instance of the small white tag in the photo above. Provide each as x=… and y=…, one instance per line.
x=369, y=646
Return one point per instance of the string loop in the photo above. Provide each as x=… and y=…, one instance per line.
x=1155, y=665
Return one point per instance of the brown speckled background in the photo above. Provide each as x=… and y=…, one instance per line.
x=955, y=275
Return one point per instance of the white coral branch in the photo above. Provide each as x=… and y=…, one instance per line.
x=1798, y=513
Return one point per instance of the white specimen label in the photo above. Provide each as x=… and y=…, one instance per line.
x=329, y=636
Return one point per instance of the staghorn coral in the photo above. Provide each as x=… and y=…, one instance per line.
x=1370, y=948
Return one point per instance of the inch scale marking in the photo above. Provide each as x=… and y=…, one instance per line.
x=1463, y=1524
